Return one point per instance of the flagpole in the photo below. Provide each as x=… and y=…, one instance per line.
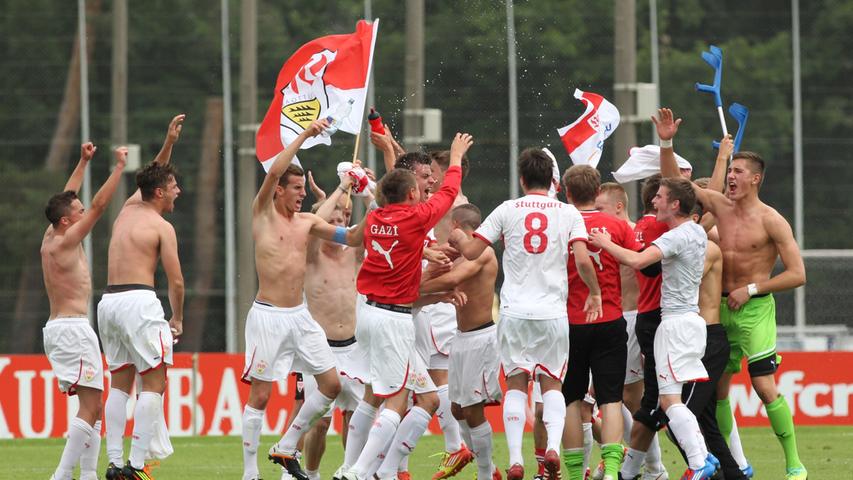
x=228, y=176
x=86, y=191
x=513, y=100
x=354, y=154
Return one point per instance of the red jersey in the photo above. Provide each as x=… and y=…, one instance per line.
x=606, y=269
x=648, y=229
x=394, y=243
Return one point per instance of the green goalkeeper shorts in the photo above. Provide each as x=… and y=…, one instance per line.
x=752, y=334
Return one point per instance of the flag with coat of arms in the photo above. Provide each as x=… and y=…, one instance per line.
x=584, y=139
x=316, y=81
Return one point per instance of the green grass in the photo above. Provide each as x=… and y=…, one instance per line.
x=826, y=451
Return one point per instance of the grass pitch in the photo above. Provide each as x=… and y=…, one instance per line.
x=826, y=451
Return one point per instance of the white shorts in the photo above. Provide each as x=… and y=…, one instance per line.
x=679, y=347
x=534, y=346
x=634, y=366
x=282, y=340
x=72, y=348
x=389, y=339
x=474, y=367
x=134, y=330
x=353, y=359
x=435, y=327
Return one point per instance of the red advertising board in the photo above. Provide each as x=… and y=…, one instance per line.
x=204, y=396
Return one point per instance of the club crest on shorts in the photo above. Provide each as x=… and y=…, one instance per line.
x=304, y=97
x=89, y=373
x=260, y=366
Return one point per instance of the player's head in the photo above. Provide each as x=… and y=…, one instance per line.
x=467, y=217
x=697, y=211
x=399, y=186
x=420, y=164
x=535, y=169
x=612, y=199
x=158, y=184
x=745, y=175
x=338, y=217
x=581, y=183
x=648, y=192
x=675, y=199
x=440, y=164
x=290, y=190
x=64, y=209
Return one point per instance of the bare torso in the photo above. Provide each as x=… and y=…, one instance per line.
x=330, y=287
x=135, y=245
x=749, y=253
x=480, y=290
x=443, y=227
x=711, y=287
x=66, y=276
x=281, y=246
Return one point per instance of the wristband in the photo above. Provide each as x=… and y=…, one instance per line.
x=340, y=235
x=666, y=143
x=752, y=289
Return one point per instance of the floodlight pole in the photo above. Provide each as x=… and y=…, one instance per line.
x=799, y=293
x=86, y=192
x=513, y=99
x=228, y=177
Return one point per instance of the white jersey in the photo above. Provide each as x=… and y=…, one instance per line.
x=536, y=232
x=683, y=249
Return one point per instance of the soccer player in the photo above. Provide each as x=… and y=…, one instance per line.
x=600, y=346
x=679, y=342
x=533, y=333
x=132, y=325
x=69, y=341
x=389, y=279
x=752, y=236
x=473, y=365
x=281, y=335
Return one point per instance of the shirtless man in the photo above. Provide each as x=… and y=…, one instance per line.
x=752, y=236
x=131, y=322
x=474, y=362
x=69, y=341
x=281, y=335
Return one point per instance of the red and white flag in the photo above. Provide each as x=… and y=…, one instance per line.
x=584, y=139
x=321, y=77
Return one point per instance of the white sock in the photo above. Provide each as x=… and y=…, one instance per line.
x=627, y=425
x=315, y=406
x=313, y=474
x=377, y=462
x=147, y=411
x=632, y=462
x=89, y=457
x=410, y=431
x=115, y=416
x=683, y=424
x=481, y=443
x=404, y=464
x=515, y=417
x=359, y=428
x=587, y=444
x=252, y=422
x=736, y=447
x=78, y=434
x=380, y=435
x=554, y=417
x=653, y=459
x=465, y=431
x=449, y=425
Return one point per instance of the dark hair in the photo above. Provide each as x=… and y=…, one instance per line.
x=395, y=185
x=535, y=168
x=292, y=171
x=467, y=215
x=614, y=189
x=410, y=160
x=680, y=189
x=648, y=192
x=698, y=209
x=154, y=176
x=582, y=183
x=442, y=158
x=58, y=206
x=756, y=163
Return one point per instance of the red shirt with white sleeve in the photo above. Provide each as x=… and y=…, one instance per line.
x=648, y=229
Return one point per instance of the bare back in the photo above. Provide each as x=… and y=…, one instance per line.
x=711, y=287
x=135, y=245
x=480, y=289
x=281, y=246
x=330, y=287
x=749, y=252
x=443, y=227
x=66, y=276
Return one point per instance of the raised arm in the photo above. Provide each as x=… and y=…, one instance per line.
x=172, y=267
x=87, y=151
x=263, y=200
x=77, y=232
x=635, y=260
x=459, y=273
x=667, y=128
x=586, y=271
x=172, y=136
x=718, y=176
x=470, y=247
x=328, y=207
x=385, y=144
x=353, y=237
